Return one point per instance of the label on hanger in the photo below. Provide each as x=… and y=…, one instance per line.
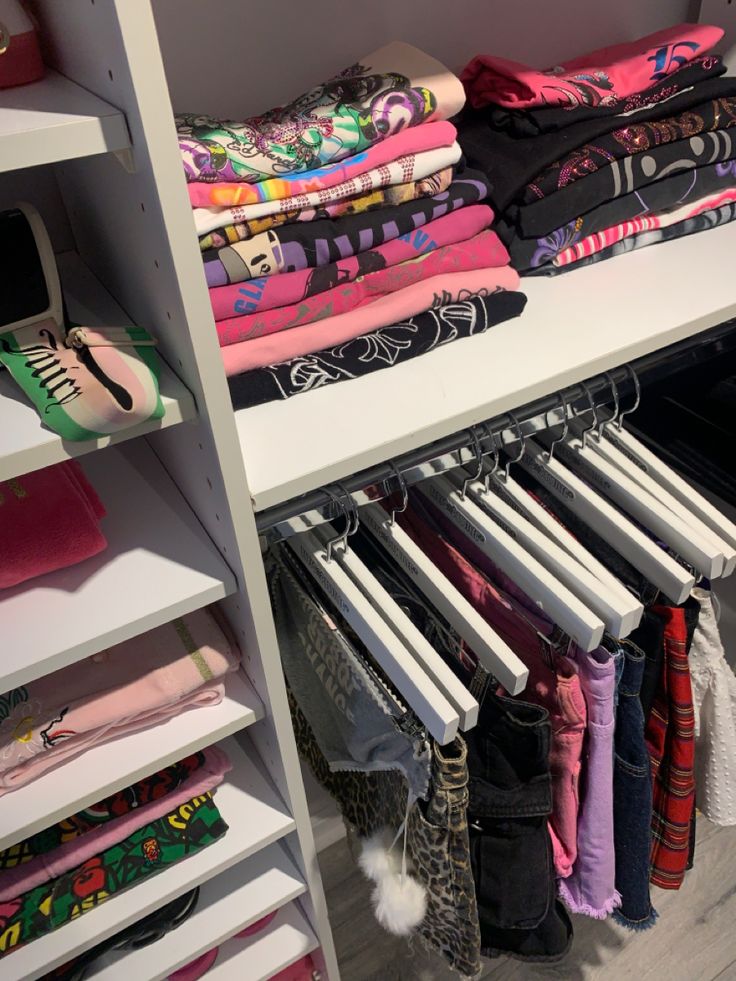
x=550, y=479
x=457, y=516
x=591, y=474
x=380, y=530
x=623, y=448
x=309, y=560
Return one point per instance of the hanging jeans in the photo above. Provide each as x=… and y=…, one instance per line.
x=670, y=736
x=632, y=798
x=591, y=889
x=509, y=806
x=553, y=680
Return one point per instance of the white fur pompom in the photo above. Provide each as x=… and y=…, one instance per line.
x=400, y=903
x=376, y=858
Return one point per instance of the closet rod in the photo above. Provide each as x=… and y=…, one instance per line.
x=376, y=483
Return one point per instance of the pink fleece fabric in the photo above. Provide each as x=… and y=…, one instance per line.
x=598, y=78
x=131, y=686
x=270, y=292
x=415, y=140
x=390, y=309
x=482, y=251
x=14, y=882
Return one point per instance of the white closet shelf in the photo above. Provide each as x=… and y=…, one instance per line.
x=159, y=564
x=106, y=768
x=25, y=443
x=287, y=938
x=256, y=817
x=55, y=119
x=228, y=903
x=574, y=326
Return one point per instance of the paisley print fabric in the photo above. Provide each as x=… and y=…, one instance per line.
x=679, y=91
x=594, y=79
x=630, y=140
x=379, y=349
x=389, y=90
x=148, y=851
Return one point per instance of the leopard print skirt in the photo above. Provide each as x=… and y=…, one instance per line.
x=437, y=837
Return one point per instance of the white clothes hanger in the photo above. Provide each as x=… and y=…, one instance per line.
x=697, y=550
x=509, y=503
x=561, y=605
x=413, y=683
x=492, y=651
x=415, y=642
x=623, y=449
x=607, y=522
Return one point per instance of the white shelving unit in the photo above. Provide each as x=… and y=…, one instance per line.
x=93, y=144
x=257, y=818
x=55, y=119
x=25, y=443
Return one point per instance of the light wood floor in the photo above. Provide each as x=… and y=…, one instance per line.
x=694, y=939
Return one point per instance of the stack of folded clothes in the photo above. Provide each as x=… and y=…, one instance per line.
x=333, y=227
x=66, y=870
x=135, y=685
x=625, y=147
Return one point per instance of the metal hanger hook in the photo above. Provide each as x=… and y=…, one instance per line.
x=565, y=427
x=522, y=445
x=616, y=404
x=352, y=509
x=637, y=402
x=593, y=409
x=404, y=493
x=343, y=536
x=496, y=458
x=478, y=451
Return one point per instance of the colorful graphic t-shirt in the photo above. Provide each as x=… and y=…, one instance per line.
x=391, y=89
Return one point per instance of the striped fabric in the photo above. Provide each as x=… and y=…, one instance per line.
x=670, y=737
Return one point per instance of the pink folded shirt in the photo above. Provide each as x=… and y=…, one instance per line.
x=131, y=686
x=268, y=292
x=597, y=78
x=435, y=292
x=204, y=194
x=16, y=881
x=480, y=252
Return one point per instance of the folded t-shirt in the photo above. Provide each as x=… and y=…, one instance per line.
x=411, y=167
x=480, y=252
x=389, y=309
x=306, y=245
x=391, y=89
x=678, y=90
x=416, y=140
x=609, y=73
x=377, y=350
x=268, y=292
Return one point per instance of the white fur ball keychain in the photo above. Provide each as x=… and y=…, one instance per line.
x=399, y=900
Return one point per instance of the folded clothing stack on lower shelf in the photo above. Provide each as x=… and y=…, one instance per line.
x=134, y=685
x=70, y=868
x=625, y=147
x=371, y=245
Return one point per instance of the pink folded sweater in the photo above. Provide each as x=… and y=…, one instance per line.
x=204, y=194
x=598, y=78
x=480, y=252
x=434, y=292
x=268, y=292
x=49, y=519
x=14, y=882
x=128, y=687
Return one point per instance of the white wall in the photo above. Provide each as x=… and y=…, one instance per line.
x=234, y=58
